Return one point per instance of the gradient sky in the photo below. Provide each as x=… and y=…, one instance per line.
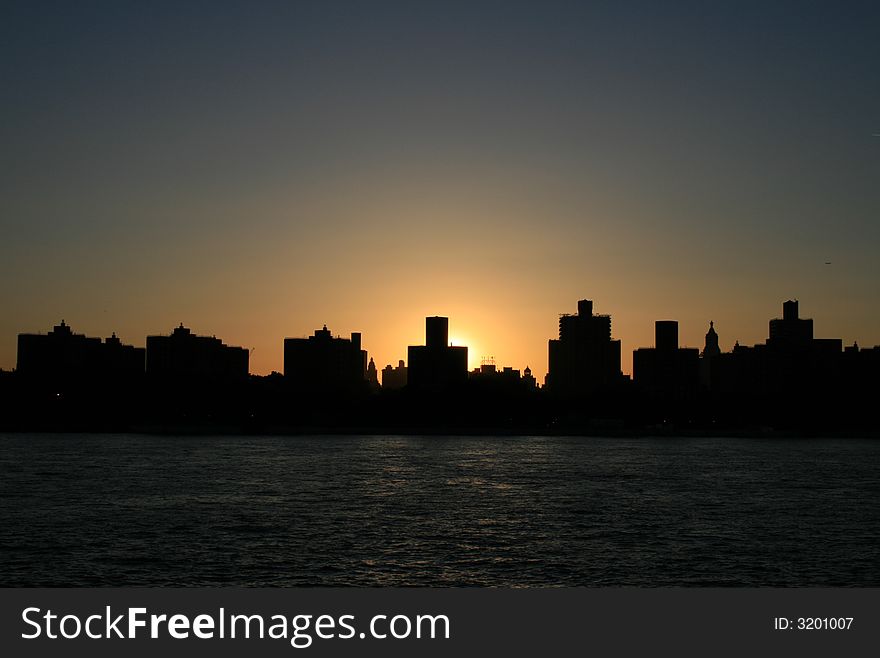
x=258, y=169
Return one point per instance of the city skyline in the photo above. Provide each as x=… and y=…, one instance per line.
x=793, y=379
x=258, y=170
x=583, y=308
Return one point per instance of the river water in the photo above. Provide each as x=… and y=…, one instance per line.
x=124, y=510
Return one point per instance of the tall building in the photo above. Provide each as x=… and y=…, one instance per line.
x=710, y=347
x=790, y=366
x=436, y=366
x=185, y=356
x=529, y=379
x=584, y=359
x=372, y=376
x=709, y=356
x=666, y=368
x=666, y=335
x=325, y=363
x=62, y=355
x=436, y=332
x=796, y=363
x=790, y=332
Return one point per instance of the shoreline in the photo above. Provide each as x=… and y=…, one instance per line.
x=498, y=432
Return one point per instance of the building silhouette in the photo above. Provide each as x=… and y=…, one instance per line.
x=667, y=369
x=791, y=365
x=394, y=378
x=860, y=371
x=65, y=380
x=325, y=363
x=584, y=359
x=709, y=356
x=790, y=332
x=184, y=356
x=528, y=379
x=711, y=348
x=436, y=366
x=489, y=371
x=62, y=356
x=799, y=364
x=488, y=378
x=372, y=376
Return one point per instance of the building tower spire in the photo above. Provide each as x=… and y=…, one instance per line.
x=711, y=347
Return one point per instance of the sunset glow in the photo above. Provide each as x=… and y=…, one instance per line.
x=257, y=174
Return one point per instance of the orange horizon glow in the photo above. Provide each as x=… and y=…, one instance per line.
x=292, y=167
x=514, y=339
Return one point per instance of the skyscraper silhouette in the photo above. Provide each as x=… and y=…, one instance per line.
x=186, y=356
x=709, y=357
x=711, y=348
x=372, y=376
x=62, y=356
x=584, y=359
x=325, y=363
x=790, y=332
x=436, y=366
x=667, y=369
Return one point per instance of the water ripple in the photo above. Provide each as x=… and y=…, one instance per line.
x=445, y=511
